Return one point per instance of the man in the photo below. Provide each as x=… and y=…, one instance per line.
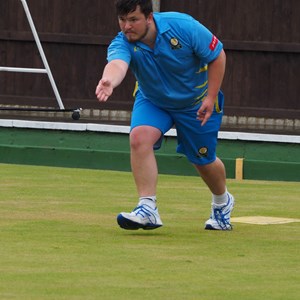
x=179, y=67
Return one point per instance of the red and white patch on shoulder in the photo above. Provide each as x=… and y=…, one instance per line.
x=214, y=43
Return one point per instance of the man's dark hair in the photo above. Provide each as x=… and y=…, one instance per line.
x=124, y=7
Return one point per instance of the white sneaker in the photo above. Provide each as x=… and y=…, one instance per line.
x=143, y=216
x=220, y=216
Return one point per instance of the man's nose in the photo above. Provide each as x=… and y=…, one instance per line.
x=127, y=25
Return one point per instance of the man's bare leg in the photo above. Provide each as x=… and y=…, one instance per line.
x=143, y=161
x=145, y=173
x=214, y=175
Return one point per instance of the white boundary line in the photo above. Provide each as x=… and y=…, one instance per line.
x=224, y=135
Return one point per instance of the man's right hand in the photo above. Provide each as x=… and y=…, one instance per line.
x=104, y=89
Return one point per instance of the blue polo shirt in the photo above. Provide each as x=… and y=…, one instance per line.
x=173, y=75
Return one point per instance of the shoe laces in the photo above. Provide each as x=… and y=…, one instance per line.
x=221, y=216
x=144, y=212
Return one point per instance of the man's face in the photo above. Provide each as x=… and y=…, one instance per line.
x=135, y=25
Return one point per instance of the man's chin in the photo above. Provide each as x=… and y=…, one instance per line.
x=131, y=39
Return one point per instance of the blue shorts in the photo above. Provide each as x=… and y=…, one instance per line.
x=198, y=143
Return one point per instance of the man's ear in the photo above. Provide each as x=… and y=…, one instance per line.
x=150, y=19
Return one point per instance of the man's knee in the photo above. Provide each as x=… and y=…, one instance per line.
x=143, y=137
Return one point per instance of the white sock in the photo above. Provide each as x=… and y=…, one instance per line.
x=220, y=199
x=148, y=200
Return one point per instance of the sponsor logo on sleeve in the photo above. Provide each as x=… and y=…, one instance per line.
x=214, y=43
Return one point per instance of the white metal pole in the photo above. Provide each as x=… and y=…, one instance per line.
x=23, y=70
x=41, y=51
